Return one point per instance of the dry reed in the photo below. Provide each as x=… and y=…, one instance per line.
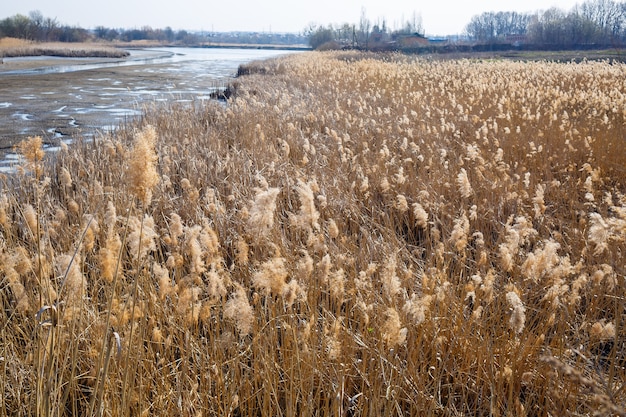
x=351, y=234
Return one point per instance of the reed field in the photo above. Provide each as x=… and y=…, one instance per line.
x=349, y=235
x=12, y=47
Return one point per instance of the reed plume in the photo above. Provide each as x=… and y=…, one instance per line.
x=261, y=215
x=142, y=172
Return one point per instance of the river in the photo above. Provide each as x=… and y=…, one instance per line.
x=58, y=100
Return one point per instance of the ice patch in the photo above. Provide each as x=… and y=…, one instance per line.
x=23, y=116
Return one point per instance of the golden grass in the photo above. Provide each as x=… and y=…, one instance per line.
x=7, y=42
x=350, y=235
x=11, y=47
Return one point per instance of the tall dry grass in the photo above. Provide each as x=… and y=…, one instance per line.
x=12, y=47
x=350, y=235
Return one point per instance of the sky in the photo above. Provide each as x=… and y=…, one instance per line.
x=439, y=17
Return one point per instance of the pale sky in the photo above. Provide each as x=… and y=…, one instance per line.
x=439, y=17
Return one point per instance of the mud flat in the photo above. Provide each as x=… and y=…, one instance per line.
x=62, y=98
x=59, y=97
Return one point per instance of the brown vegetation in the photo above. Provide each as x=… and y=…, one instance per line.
x=349, y=235
x=11, y=47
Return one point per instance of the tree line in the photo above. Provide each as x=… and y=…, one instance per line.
x=364, y=35
x=37, y=27
x=592, y=23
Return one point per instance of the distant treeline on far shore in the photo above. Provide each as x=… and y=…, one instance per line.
x=593, y=24
x=36, y=27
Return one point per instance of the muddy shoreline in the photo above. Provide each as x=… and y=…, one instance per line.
x=14, y=64
x=37, y=101
x=63, y=99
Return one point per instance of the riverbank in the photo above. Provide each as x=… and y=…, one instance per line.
x=31, y=62
x=60, y=99
x=12, y=47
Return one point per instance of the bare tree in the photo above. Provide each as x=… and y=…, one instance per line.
x=364, y=30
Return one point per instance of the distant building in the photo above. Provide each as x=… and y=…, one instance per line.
x=438, y=40
x=414, y=40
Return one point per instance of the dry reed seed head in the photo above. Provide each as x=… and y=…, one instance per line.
x=21, y=261
x=193, y=250
x=336, y=282
x=110, y=217
x=542, y=261
x=305, y=266
x=271, y=277
x=601, y=331
x=401, y=204
x=384, y=185
x=176, y=228
x=32, y=221
x=332, y=332
x=141, y=172
x=261, y=215
x=473, y=213
x=32, y=151
x=65, y=178
x=73, y=207
x=213, y=203
x=215, y=286
x=22, y=303
x=506, y=258
x=518, y=315
x=74, y=284
x=465, y=188
x=210, y=242
x=393, y=334
x=192, y=193
x=421, y=217
x=308, y=216
x=141, y=237
x=92, y=228
x=599, y=233
x=578, y=285
x=392, y=286
x=399, y=177
x=242, y=252
x=293, y=292
x=4, y=206
x=539, y=205
x=188, y=305
x=416, y=307
x=460, y=233
x=605, y=277
x=163, y=280
x=333, y=229
x=109, y=255
x=157, y=335
x=283, y=148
